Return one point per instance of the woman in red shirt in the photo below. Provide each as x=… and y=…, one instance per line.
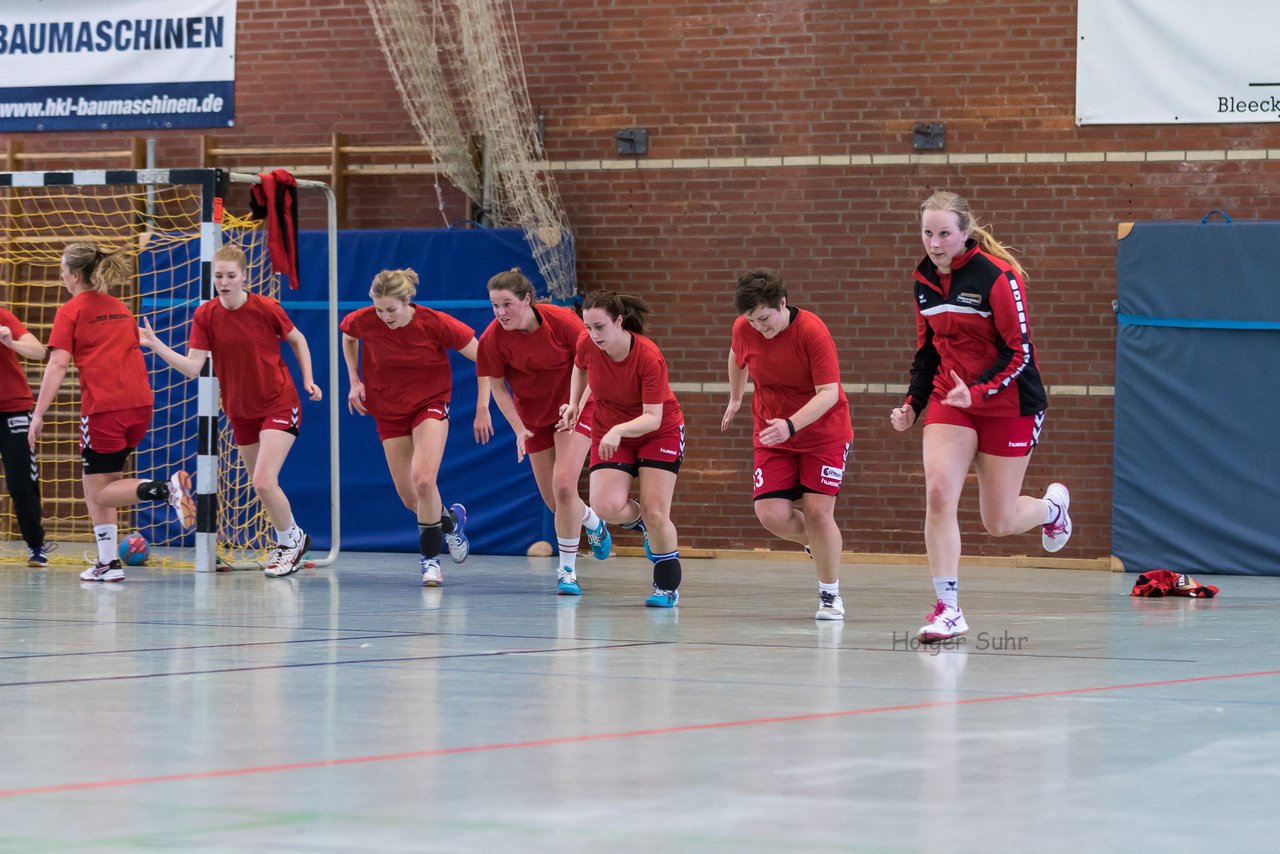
x=98, y=331
x=244, y=331
x=406, y=386
x=801, y=428
x=637, y=430
x=976, y=371
x=20, y=468
x=527, y=356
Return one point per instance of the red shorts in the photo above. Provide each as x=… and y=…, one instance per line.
x=247, y=431
x=998, y=435
x=545, y=437
x=108, y=432
x=783, y=473
x=401, y=426
x=663, y=449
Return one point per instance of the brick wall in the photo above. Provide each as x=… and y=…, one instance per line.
x=740, y=99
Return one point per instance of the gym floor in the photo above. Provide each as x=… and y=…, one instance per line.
x=351, y=710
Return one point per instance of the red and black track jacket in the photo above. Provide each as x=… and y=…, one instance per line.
x=974, y=322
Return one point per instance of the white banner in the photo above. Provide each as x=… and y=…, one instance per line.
x=1177, y=61
x=124, y=64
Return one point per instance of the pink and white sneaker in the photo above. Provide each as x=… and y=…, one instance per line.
x=1056, y=533
x=944, y=623
x=103, y=572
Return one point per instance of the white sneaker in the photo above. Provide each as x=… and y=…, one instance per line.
x=286, y=560
x=103, y=572
x=432, y=576
x=830, y=606
x=944, y=623
x=1056, y=533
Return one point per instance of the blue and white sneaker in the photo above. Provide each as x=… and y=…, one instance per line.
x=459, y=545
x=601, y=541
x=431, y=574
x=662, y=598
x=38, y=558
x=567, y=582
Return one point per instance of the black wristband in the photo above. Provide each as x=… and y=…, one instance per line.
x=790, y=426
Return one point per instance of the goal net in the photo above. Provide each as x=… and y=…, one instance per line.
x=458, y=67
x=171, y=222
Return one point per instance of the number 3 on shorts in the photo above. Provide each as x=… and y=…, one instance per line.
x=759, y=478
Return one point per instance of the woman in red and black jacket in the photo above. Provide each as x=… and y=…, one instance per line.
x=976, y=380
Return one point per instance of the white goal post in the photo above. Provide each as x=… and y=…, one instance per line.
x=205, y=192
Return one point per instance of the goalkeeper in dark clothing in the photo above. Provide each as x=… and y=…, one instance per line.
x=21, y=474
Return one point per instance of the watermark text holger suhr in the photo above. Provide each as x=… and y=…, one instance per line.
x=982, y=642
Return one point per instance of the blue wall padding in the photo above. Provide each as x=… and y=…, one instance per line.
x=505, y=511
x=1196, y=479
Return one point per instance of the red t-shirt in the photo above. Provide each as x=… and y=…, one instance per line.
x=785, y=369
x=405, y=369
x=538, y=365
x=245, y=342
x=620, y=389
x=15, y=391
x=101, y=335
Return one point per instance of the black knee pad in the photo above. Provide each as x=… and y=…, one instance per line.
x=430, y=539
x=153, y=490
x=666, y=574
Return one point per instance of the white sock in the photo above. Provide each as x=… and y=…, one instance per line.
x=290, y=536
x=948, y=589
x=1052, y=511
x=590, y=520
x=833, y=587
x=106, y=537
x=568, y=552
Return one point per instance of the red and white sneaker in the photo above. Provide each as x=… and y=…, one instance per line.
x=943, y=624
x=286, y=560
x=1056, y=533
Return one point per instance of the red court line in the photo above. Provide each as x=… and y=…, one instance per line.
x=604, y=736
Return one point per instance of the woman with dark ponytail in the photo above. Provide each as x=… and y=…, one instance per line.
x=637, y=430
x=98, y=331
